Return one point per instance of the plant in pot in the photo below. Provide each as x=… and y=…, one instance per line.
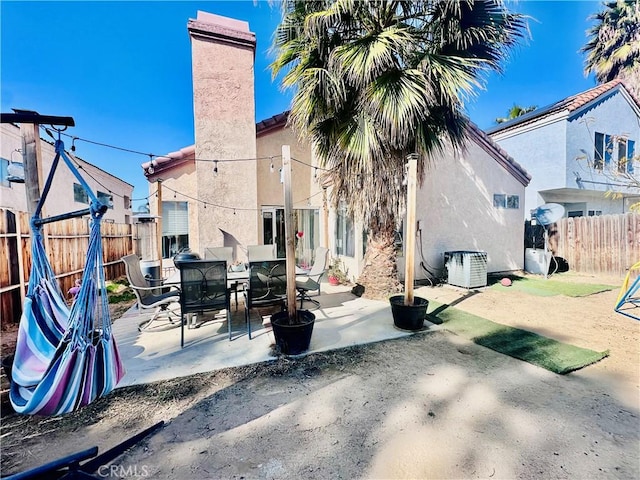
x=335, y=273
x=238, y=266
x=408, y=310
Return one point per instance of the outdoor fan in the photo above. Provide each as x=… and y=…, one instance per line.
x=545, y=215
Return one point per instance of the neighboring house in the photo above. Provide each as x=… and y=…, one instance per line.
x=578, y=149
x=226, y=190
x=66, y=194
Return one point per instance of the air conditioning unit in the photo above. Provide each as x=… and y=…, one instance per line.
x=467, y=269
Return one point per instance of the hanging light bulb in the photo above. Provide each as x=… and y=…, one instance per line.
x=73, y=144
x=174, y=194
x=315, y=174
x=281, y=175
x=271, y=167
x=215, y=173
x=151, y=170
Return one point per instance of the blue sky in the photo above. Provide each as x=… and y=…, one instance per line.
x=122, y=70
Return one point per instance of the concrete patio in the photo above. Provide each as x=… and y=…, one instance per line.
x=342, y=320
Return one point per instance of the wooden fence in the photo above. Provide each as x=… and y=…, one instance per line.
x=607, y=244
x=66, y=243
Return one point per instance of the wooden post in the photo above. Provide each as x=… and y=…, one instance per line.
x=325, y=218
x=289, y=234
x=410, y=229
x=31, y=156
x=159, y=225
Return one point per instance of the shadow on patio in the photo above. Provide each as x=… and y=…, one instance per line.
x=342, y=320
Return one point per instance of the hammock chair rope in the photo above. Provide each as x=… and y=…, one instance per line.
x=65, y=358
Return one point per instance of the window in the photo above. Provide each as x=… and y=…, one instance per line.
x=175, y=227
x=513, y=201
x=501, y=200
x=126, y=201
x=593, y=213
x=79, y=195
x=4, y=173
x=625, y=155
x=605, y=151
x=345, y=241
x=574, y=213
x=105, y=199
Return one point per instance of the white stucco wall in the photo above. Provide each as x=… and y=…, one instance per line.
x=455, y=209
x=542, y=151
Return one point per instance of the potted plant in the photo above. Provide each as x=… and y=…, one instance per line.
x=336, y=274
x=238, y=266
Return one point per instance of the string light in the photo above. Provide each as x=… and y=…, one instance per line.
x=152, y=155
x=271, y=168
x=215, y=170
x=73, y=144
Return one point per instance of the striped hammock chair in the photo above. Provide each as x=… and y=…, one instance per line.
x=65, y=357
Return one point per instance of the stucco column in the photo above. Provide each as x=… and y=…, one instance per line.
x=223, y=51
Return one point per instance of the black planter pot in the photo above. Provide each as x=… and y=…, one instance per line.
x=408, y=317
x=293, y=339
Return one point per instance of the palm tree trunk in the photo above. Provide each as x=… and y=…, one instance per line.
x=379, y=276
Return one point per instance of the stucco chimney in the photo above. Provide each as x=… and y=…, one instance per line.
x=223, y=51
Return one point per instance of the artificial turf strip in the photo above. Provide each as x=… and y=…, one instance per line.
x=548, y=288
x=544, y=352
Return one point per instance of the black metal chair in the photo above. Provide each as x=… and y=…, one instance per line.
x=156, y=298
x=203, y=287
x=267, y=286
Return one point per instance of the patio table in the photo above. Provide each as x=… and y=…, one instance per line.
x=234, y=279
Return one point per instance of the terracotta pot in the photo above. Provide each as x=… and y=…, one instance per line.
x=334, y=281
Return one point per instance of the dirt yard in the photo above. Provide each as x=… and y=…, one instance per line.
x=432, y=405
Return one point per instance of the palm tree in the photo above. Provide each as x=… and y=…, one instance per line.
x=515, y=112
x=377, y=81
x=613, y=47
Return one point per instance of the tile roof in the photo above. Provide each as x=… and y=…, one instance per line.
x=170, y=160
x=499, y=155
x=277, y=121
x=569, y=104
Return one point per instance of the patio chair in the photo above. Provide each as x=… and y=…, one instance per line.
x=267, y=286
x=203, y=287
x=257, y=253
x=311, y=281
x=219, y=253
x=156, y=297
x=225, y=253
